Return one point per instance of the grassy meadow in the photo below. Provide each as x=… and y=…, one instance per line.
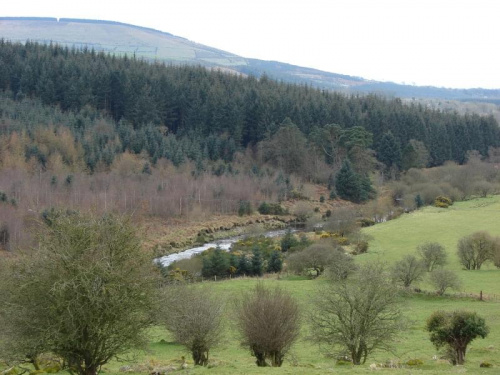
x=391, y=240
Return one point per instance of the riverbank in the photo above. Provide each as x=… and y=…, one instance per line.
x=167, y=237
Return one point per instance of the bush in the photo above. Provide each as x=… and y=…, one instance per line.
x=245, y=208
x=269, y=322
x=361, y=247
x=194, y=316
x=365, y=222
x=322, y=199
x=442, y=202
x=444, y=279
x=415, y=362
x=485, y=365
x=271, y=209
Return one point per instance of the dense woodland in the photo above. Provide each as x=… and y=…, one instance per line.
x=149, y=102
x=81, y=129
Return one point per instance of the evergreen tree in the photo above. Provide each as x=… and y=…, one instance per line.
x=389, y=151
x=275, y=263
x=347, y=182
x=257, y=266
x=244, y=267
x=216, y=264
x=288, y=241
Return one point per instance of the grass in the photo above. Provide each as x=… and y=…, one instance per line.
x=391, y=240
x=306, y=357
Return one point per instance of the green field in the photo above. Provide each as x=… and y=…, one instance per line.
x=306, y=357
x=391, y=240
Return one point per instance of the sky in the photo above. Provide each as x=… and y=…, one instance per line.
x=424, y=42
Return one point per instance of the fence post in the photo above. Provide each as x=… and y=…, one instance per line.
x=481, y=295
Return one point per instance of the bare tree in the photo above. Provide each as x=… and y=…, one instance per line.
x=343, y=221
x=269, y=322
x=433, y=255
x=318, y=257
x=408, y=270
x=443, y=280
x=358, y=315
x=86, y=294
x=475, y=249
x=194, y=315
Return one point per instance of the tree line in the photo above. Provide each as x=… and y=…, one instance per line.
x=193, y=103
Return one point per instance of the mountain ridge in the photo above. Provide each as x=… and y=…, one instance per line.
x=160, y=46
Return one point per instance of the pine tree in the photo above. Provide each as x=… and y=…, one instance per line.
x=389, y=151
x=347, y=182
x=257, y=267
x=275, y=263
x=243, y=266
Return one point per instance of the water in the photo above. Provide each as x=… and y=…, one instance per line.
x=224, y=244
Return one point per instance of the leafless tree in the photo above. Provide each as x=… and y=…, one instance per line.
x=269, y=323
x=408, y=270
x=358, y=315
x=194, y=315
x=475, y=249
x=433, y=255
x=319, y=257
x=443, y=280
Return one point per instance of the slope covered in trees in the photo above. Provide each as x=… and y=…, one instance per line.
x=219, y=113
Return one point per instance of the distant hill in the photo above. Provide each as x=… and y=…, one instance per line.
x=154, y=45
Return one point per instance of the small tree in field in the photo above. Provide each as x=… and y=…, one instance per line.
x=269, y=322
x=408, y=270
x=475, y=249
x=85, y=294
x=194, y=316
x=358, y=315
x=456, y=330
x=433, y=255
x=443, y=280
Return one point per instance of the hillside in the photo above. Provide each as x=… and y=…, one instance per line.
x=119, y=38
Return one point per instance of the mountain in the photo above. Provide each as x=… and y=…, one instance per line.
x=154, y=45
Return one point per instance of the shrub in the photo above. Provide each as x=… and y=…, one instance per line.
x=485, y=364
x=365, y=222
x=194, y=316
x=442, y=202
x=361, y=247
x=269, y=322
x=415, y=362
x=444, y=279
x=322, y=199
x=271, y=209
x=245, y=208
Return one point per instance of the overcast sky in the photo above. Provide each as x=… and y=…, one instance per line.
x=424, y=42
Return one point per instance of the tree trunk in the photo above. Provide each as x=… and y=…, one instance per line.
x=460, y=356
x=277, y=359
x=90, y=370
x=356, y=357
x=200, y=357
x=261, y=358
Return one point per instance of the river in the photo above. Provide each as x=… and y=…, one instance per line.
x=224, y=244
